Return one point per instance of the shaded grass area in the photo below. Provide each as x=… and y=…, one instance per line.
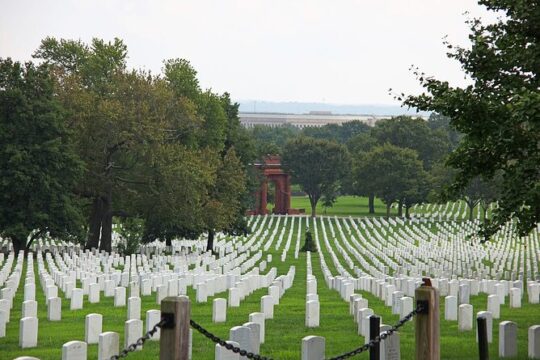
x=344, y=206
x=283, y=333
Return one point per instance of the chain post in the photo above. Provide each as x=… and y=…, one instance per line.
x=427, y=322
x=374, y=333
x=174, y=338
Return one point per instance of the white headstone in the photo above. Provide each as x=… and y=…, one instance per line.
x=119, y=296
x=133, y=330
x=219, y=310
x=93, y=327
x=267, y=306
x=134, y=308
x=389, y=349
x=3, y=322
x=234, y=297
x=312, y=313
x=74, y=350
x=28, y=332
x=534, y=342
x=93, y=293
x=29, y=308
x=108, y=345
x=223, y=354
x=465, y=318
x=255, y=336
x=243, y=336
x=54, y=309
x=76, y=299
x=152, y=318
x=515, y=297
x=507, y=339
x=313, y=348
x=259, y=318
x=493, y=306
x=450, y=308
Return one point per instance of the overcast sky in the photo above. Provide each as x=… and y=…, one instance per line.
x=339, y=51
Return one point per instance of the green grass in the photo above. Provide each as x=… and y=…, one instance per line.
x=344, y=206
x=283, y=333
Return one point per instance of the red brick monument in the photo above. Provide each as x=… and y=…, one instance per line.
x=272, y=172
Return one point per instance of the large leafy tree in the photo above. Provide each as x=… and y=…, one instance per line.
x=499, y=112
x=358, y=182
x=395, y=174
x=413, y=133
x=37, y=161
x=317, y=166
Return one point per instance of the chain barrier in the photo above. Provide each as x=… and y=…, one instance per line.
x=230, y=347
x=382, y=336
x=140, y=341
x=250, y=355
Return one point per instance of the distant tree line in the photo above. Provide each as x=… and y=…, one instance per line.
x=86, y=142
x=400, y=160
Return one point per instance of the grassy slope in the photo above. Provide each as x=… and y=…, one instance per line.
x=283, y=333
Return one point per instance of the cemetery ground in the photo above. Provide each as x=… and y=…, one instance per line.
x=285, y=331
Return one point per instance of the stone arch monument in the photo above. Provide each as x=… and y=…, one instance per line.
x=272, y=172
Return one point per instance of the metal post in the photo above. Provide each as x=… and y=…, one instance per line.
x=427, y=322
x=174, y=338
x=483, y=348
x=374, y=331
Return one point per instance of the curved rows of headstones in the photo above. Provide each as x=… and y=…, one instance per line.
x=392, y=256
x=386, y=258
x=238, y=271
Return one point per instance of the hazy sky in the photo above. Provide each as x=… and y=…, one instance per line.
x=339, y=51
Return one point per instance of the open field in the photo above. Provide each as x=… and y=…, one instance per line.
x=340, y=252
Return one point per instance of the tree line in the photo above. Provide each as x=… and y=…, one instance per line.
x=86, y=142
x=400, y=160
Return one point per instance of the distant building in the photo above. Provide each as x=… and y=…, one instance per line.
x=313, y=119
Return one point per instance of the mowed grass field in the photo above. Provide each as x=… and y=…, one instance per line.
x=283, y=333
x=344, y=206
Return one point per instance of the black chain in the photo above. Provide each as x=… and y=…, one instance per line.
x=124, y=353
x=380, y=337
x=230, y=347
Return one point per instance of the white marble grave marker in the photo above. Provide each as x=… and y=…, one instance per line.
x=219, y=310
x=507, y=339
x=108, y=345
x=74, y=350
x=93, y=327
x=313, y=348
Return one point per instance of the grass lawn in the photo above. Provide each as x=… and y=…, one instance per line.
x=344, y=206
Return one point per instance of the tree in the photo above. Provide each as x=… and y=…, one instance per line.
x=413, y=133
x=394, y=173
x=359, y=182
x=498, y=113
x=38, y=164
x=317, y=166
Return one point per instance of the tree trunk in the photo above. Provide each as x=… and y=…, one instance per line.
x=371, y=203
x=95, y=224
x=313, y=203
x=471, y=208
x=210, y=242
x=407, y=214
x=18, y=245
x=106, y=224
x=400, y=208
x=388, y=205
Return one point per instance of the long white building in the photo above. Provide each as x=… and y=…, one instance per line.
x=313, y=119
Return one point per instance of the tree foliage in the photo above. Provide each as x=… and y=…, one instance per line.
x=395, y=174
x=499, y=112
x=317, y=165
x=38, y=164
x=156, y=148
